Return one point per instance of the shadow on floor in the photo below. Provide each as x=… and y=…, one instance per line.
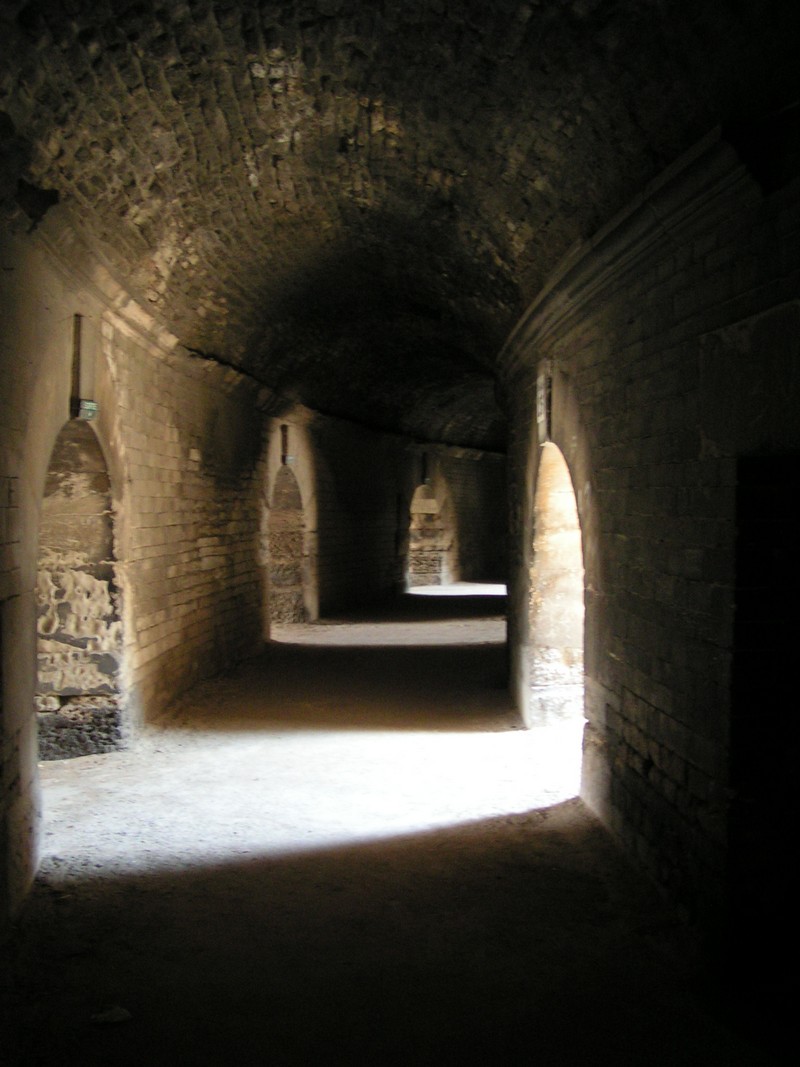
x=309, y=686
x=516, y=940
x=428, y=607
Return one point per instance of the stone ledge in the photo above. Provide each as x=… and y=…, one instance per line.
x=694, y=190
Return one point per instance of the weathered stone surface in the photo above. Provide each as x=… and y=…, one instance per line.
x=287, y=606
x=79, y=647
x=356, y=202
x=80, y=727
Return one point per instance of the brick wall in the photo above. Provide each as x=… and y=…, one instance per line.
x=190, y=579
x=476, y=483
x=672, y=345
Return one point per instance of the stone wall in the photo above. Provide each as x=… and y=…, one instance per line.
x=671, y=341
x=192, y=439
x=34, y=323
x=286, y=541
x=477, y=490
x=79, y=648
x=430, y=539
x=182, y=438
x=556, y=596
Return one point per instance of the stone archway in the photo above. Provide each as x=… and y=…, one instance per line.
x=556, y=596
x=428, y=542
x=79, y=629
x=286, y=550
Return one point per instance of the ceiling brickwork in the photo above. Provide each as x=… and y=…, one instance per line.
x=355, y=201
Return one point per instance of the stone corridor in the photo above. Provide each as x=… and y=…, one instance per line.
x=304, y=303
x=348, y=852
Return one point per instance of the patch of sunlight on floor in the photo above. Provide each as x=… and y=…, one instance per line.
x=459, y=589
x=178, y=801
x=248, y=769
x=388, y=634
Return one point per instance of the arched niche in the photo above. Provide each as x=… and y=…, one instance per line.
x=556, y=596
x=429, y=540
x=79, y=630
x=286, y=550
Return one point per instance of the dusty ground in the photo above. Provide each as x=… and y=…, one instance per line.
x=349, y=853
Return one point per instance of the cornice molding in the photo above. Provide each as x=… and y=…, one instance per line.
x=695, y=190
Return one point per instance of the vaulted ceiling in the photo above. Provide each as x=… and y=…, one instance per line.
x=355, y=201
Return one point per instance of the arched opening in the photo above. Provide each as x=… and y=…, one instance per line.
x=429, y=541
x=79, y=630
x=556, y=597
x=285, y=544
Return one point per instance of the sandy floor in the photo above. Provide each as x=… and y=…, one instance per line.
x=348, y=852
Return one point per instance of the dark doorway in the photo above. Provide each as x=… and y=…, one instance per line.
x=764, y=731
